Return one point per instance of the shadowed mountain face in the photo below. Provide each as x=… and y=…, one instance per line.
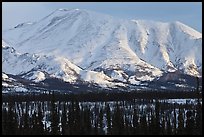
x=80, y=45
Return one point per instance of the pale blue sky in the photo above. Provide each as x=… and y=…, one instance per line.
x=189, y=13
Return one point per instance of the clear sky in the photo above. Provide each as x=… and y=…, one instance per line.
x=189, y=13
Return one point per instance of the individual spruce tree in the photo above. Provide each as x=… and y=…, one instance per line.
x=82, y=121
x=169, y=127
x=163, y=127
x=108, y=119
x=12, y=121
x=143, y=125
x=174, y=119
x=34, y=123
x=25, y=130
x=149, y=120
x=4, y=122
x=118, y=121
x=135, y=122
x=152, y=125
x=180, y=129
x=96, y=119
x=189, y=123
x=76, y=118
x=40, y=125
x=198, y=129
x=64, y=120
x=71, y=117
x=54, y=117
x=127, y=127
x=198, y=119
x=101, y=131
x=88, y=122
x=157, y=117
x=115, y=122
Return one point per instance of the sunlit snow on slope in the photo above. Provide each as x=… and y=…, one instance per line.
x=4, y=76
x=70, y=44
x=167, y=46
x=37, y=76
x=133, y=80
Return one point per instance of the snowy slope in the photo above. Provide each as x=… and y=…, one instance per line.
x=168, y=46
x=18, y=64
x=98, y=47
x=39, y=67
x=11, y=85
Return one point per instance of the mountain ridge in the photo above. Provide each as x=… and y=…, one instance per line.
x=126, y=50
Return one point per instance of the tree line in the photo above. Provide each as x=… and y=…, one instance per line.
x=135, y=117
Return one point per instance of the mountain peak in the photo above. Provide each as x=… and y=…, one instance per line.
x=119, y=47
x=84, y=12
x=65, y=9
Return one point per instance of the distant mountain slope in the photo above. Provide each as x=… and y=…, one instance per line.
x=94, y=47
x=37, y=68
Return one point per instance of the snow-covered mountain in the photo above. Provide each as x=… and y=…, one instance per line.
x=37, y=68
x=73, y=44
